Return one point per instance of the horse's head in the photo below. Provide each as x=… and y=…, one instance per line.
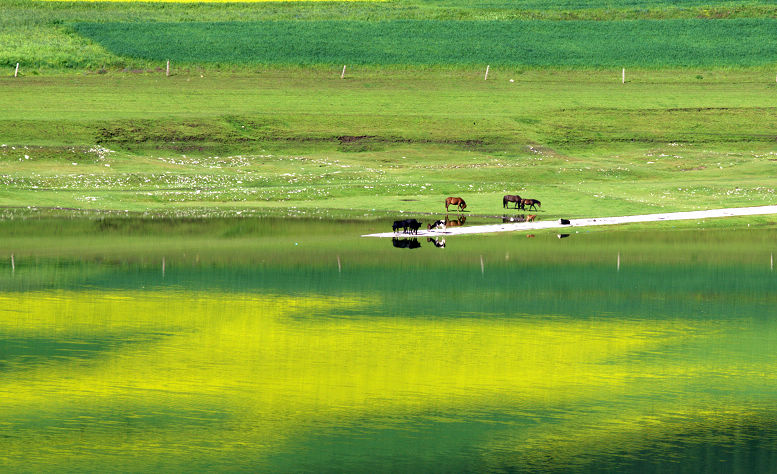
x=463, y=204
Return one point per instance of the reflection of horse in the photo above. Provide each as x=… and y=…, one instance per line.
x=518, y=218
x=531, y=203
x=439, y=243
x=510, y=198
x=456, y=223
x=455, y=201
x=405, y=243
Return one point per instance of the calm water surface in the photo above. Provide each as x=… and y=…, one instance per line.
x=241, y=346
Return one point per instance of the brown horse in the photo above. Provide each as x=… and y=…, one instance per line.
x=455, y=201
x=531, y=203
x=510, y=198
x=531, y=217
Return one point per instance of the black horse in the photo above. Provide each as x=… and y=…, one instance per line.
x=508, y=198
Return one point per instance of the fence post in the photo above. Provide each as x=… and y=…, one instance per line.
x=16, y=72
x=487, y=68
x=342, y=74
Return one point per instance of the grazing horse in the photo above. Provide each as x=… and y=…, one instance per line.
x=510, y=198
x=531, y=203
x=455, y=201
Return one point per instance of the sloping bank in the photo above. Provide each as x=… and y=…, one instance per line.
x=670, y=216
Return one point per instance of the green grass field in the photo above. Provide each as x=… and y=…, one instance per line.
x=641, y=43
x=259, y=120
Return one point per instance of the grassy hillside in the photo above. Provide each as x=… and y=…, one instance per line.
x=51, y=36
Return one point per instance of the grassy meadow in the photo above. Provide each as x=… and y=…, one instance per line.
x=255, y=116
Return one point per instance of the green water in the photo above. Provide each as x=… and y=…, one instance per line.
x=295, y=345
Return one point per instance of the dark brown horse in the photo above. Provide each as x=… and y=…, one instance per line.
x=531, y=203
x=510, y=198
x=455, y=201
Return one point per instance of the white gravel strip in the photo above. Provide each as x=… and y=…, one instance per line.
x=512, y=227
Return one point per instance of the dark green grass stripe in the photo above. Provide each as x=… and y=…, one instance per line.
x=648, y=43
x=584, y=4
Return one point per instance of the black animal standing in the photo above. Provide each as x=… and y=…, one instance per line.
x=413, y=226
x=508, y=198
x=407, y=225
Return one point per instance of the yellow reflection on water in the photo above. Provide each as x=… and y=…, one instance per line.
x=219, y=375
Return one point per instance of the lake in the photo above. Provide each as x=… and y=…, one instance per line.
x=294, y=345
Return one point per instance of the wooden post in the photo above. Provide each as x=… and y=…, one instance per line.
x=13, y=264
x=623, y=76
x=16, y=72
x=771, y=261
x=482, y=267
x=339, y=266
x=487, y=68
x=618, y=264
x=167, y=72
x=163, y=267
x=342, y=74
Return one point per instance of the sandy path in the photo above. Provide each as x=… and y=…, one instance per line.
x=670, y=216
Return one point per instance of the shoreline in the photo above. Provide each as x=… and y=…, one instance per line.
x=515, y=227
